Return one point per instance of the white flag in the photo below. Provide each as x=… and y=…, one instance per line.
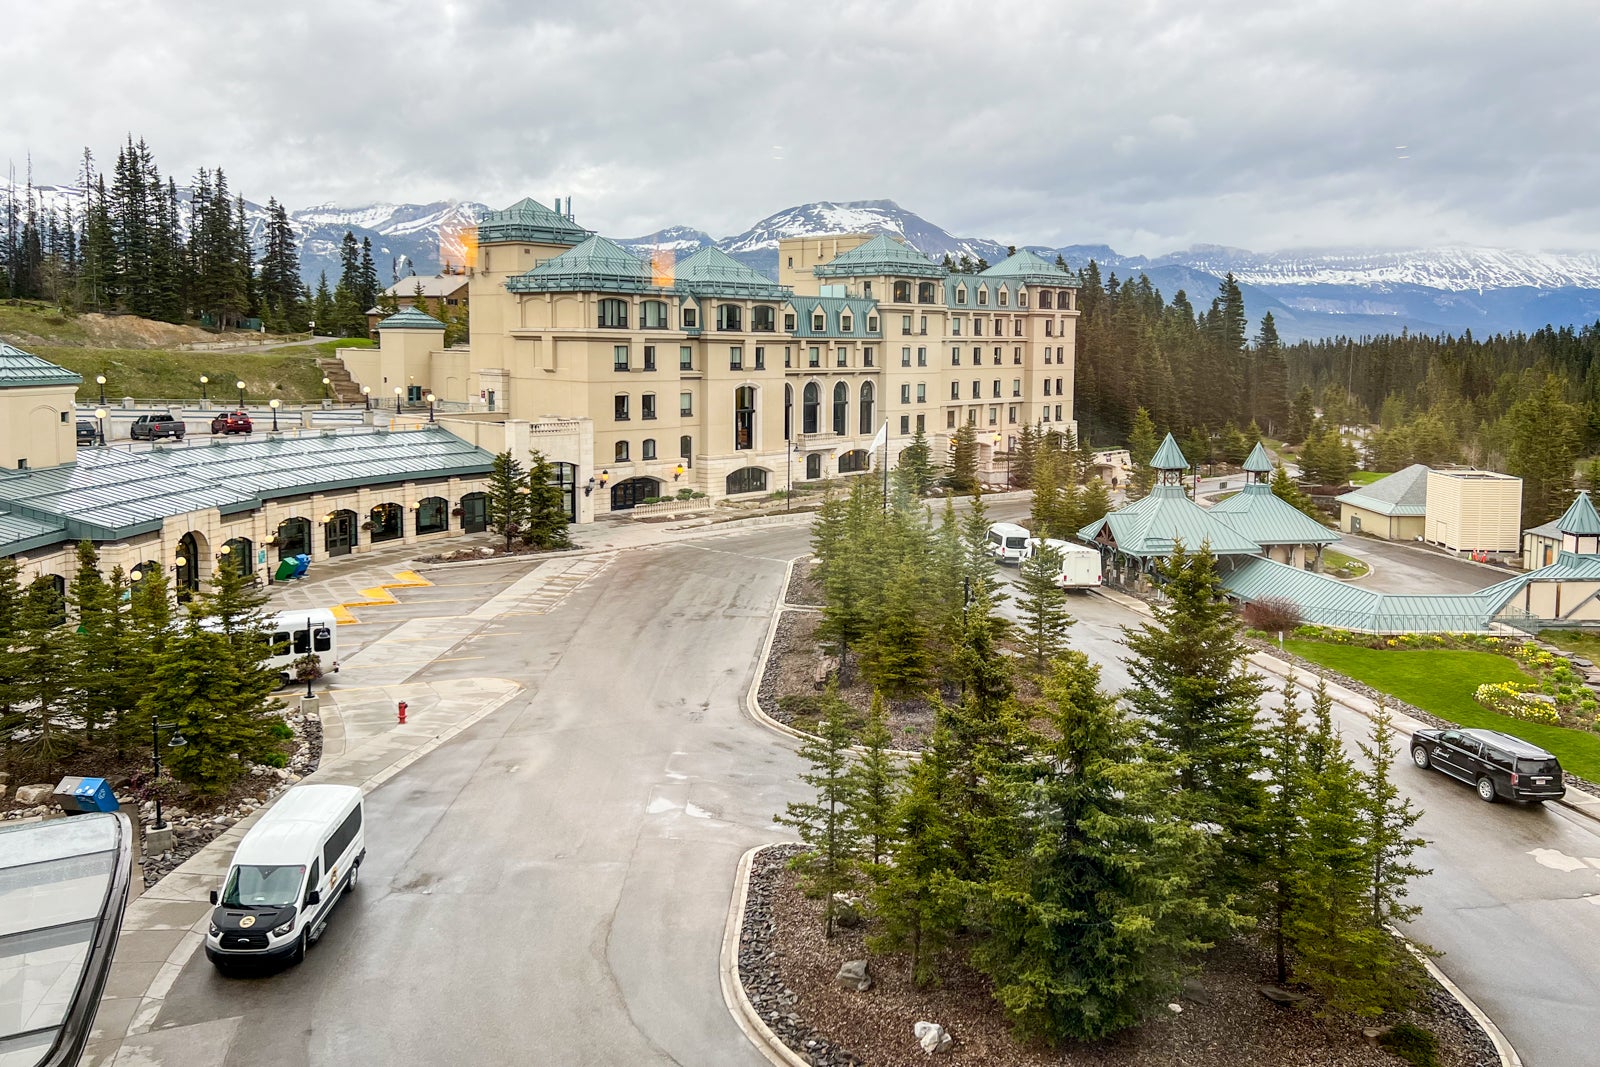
x=880, y=438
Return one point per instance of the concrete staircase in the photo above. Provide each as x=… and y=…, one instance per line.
x=346, y=390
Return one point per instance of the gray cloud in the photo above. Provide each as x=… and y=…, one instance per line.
x=1149, y=125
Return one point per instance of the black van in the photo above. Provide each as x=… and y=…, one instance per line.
x=1498, y=764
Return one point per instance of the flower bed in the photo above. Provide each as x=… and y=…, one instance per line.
x=1508, y=698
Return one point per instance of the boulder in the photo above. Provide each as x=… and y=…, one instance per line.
x=846, y=911
x=932, y=1037
x=1279, y=995
x=853, y=976
x=34, y=794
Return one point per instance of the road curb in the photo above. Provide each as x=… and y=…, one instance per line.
x=752, y=696
x=744, y=1013
x=1502, y=1044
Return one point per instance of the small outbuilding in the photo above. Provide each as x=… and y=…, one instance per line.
x=1393, y=508
x=1472, y=510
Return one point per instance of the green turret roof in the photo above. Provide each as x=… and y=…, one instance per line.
x=881, y=255
x=1030, y=269
x=1169, y=457
x=529, y=221
x=596, y=265
x=1259, y=514
x=1154, y=525
x=1580, y=518
x=19, y=370
x=410, y=318
x=1257, y=462
x=712, y=272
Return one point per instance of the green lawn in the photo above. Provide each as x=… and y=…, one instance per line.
x=1366, y=477
x=1333, y=559
x=1582, y=642
x=290, y=374
x=1442, y=681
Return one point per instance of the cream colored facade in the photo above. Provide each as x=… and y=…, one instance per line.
x=1355, y=519
x=701, y=374
x=37, y=426
x=1474, y=511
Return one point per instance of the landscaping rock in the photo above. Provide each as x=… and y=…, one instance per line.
x=33, y=794
x=853, y=975
x=932, y=1037
x=1279, y=995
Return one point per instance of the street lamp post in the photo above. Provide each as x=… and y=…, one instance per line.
x=273, y=404
x=204, y=381
x=240, y=387
x=176, y=741
x=789, y=449
x=430, y=407
x=326, y=382
x=397, y=400
x=366, y=394
x=101, y=379
x=101, y=413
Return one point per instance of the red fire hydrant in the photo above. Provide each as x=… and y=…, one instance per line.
x=402, y=713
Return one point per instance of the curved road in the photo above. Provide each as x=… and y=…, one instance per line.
x=551, y=886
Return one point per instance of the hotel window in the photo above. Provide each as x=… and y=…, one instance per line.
x=924, y=292
x=977, y=355
x=841, y=408
x=619, y=358
x=1005, y=298
x=905, y=325
x=842, y=357
x=685, y=357
x=649, y=357
x=735, y=357
x=950, y=419
x=1011, y=414
x=691, y=319
x=997, y=355
x=922, y=324
x=730, y=317
x=865, y=406
x=647, y=406
x=1049, y=327
x=614, y=314
x=1016, y=355
x=686, y=449
x=866, y=357
x=810, y=407
x=955, y=390
x=761, y=357
x=648, y=449
x=621, y=452
x=922, y=392
x=994, y=415
x=1059, y=357
x=905, y=393
x=1059, y=391
x=955, y=357
x=922, y=423
x=977, y=327
x=961, y=294
x=744, y=417
x=866, y=289
x=1044, y=300
x=1022, y=299
x=1047, y=357
x=977, y=389
x=905, y=425
x=996, y=388
x=788, y=321
x=619, y=407
x=813, y=356
x=955, y=326
x=1046, y=413
x=1058, y=412
x=763, y=318
x=1016, y=328
x=983, y=296
x=1047, y=387
x=846, y=324
x=819, y=322
x=1016, y=387
x=653, y=315
x=788, y=357
x=685, y=404
x=902, y=294
x=905, y=356
x=872, y=323
x=922, y=356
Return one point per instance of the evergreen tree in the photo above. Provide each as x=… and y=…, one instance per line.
x=11, y=680
x=1280, y=829
x=1394, y=977
x=963, y=476
x=1022, y=462
x=1272, y=379
x=1327, y=459
x=914, y=474
x=546, y=512
x=100, y=651
x=322, y=305
x=1302, y=415
x=1288, y=490
x=823, y=823
x=507, y=497
x=1098, y=918
x=1094, y=504
x=1193, y=684
x=896, y=653
x=851, y=579
x=367, y=287
x=1045, y=516
x=1542, y=434
x=1142, y=445
x=875, y=785
x=1042, y=605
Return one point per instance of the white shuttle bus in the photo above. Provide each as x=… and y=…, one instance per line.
x=296, y=634
x=1080, y=564
x=1008, y=542
x=287, y=874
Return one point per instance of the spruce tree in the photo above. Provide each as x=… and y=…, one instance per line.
x=1026, y=452
x=1193, y=684
x=546, y=525
x=1142, y=445
x=1042, y=606
x=875, y=785
x=1098, y=917
x=1288, y=490
x=1044, y=514
x=1280, y=829
x=1094, y=504
x=1394, y=976
x=11, y=680
x=42, y=718
x=100, y=642
x=1302, y=415
x=897, y=654
x=828, y=866
x=852, y=580
x=963, y=476
x=507, y=497
x=914, y=473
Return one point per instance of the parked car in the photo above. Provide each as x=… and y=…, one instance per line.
x=232, y=422
x=155, y=427
x=88, y=433
x=1497, y=764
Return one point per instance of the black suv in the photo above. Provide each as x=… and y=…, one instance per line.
x=87, y=434
x=153, y=427
x=1498, y=764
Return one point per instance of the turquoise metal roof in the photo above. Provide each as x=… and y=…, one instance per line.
x=111, y=494
x=410, y=318
x=1154, y=525
x=1580, y=518
x=531, y=222
x=19, y=533
x=1169, y=457
x=973, y=282
x=861, y=310
x=19, y=370
x=1258, y=462
x=1325, y=601
x=596, y=265
x=1029, y=269
x=712, y=272
x=1404, y=493
x=881, y=255
x=1258, y=513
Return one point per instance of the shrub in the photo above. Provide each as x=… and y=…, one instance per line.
x=1272, y=614
x=1412, y=1043
x=1508, y=699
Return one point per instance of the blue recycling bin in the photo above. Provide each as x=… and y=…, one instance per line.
x=88, y=794
x=301, y=562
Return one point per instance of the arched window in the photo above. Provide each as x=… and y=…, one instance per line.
x=854, y=460
x=648, y=449
x=239, y=554
x=902, y=292
x=614, y=314
x=763, y=318
x=653, y=315
x=730, y=317
x=294, y=538
x=186, y=577
x=841, y=407
x=814, y=466
x=433, y=514
x=1044, y=300
x=339, y=533
x=686, y=449
x=747, y=480
x=744, y=417
x=924, y=292
x=474, y=512
x=788, y=412
x=621, y=453
x=866, y=408
x=810, y=403
x=386, y=522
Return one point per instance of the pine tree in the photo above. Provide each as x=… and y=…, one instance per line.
x=875, y=787
x=367, y=286
x=1042, y=606
x=1094, y=504
x=507, y=497
x=1193, y=684
x=914, y=473
x=963, y=476
x=42, y=718
x=322, y=305
x=1302, y=415
x=1098, y=917
x=896, y=653
x=100, y=650
x=1142, y=445
x=1272, y=379
x=546, y=525
x=1542, y=433
x=1288, y=490
x=11, y=680
x=823, y=823
x=1045, y=516
x=1026, y=452
x=1393, y=974
x=1280, y=829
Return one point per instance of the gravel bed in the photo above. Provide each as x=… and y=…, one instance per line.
x=788, y=969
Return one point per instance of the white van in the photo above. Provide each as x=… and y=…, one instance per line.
x=1080, y=564
x=1008, y=542
x=290, y=870
x=295, y=634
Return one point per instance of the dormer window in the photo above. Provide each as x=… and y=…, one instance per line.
x=961, y=294
x=983, y=295
x=1022, y=299
x=788, y=321
x=1005, y=298
x=845, y=323
x=872, y=324
x=691, y=318
x=819, y=322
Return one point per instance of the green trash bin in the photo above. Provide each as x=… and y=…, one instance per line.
x=285, y=570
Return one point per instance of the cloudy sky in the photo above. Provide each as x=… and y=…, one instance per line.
x=1146, y=124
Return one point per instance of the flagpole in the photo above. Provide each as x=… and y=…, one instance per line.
x=885, y=464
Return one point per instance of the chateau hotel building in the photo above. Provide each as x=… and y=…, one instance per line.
x=643, y=378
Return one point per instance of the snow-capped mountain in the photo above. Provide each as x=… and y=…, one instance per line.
x=758, y=246
x=1454, y=269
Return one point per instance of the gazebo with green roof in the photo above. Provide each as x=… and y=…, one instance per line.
x=1284, y=532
